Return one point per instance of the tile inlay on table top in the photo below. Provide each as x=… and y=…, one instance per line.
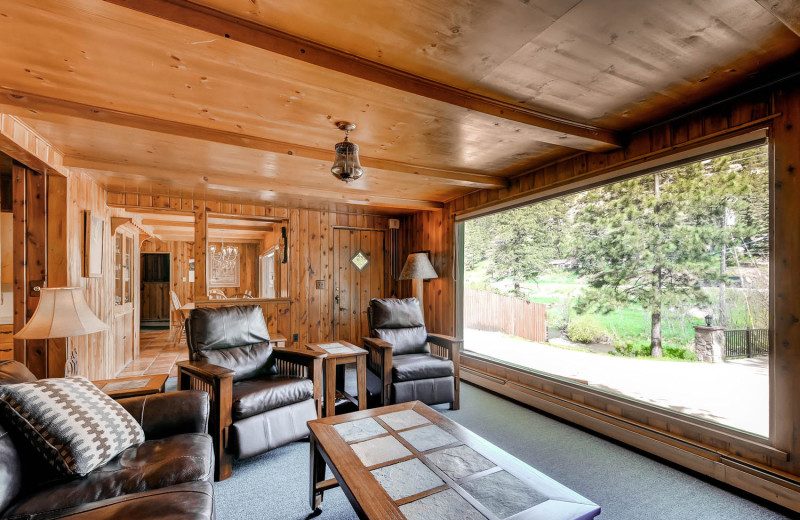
x=503, y=494
x=406, y=478
x=403, y=419
x=445, y=505
x=428, y=437
x=379, y=450
x=459, y=461
x=359, y=429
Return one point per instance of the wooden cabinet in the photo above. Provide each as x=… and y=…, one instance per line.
x=6, y=342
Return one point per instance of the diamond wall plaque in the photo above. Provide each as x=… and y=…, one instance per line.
x=360, y=261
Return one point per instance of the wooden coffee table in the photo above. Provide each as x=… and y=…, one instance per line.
x=409, y=461
x=342, y=353
x=133, y=386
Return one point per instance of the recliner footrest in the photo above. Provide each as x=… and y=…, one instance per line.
x=261, y=433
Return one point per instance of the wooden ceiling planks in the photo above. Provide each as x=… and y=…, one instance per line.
x=160, y=107
x=613, y=63
x=176, y=75
x=553, y=129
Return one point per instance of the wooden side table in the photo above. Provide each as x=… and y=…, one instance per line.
x=342, y=353
x=133, y=386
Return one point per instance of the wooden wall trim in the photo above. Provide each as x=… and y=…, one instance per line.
x=24, y=144
x=57, y=264
x=644, y=416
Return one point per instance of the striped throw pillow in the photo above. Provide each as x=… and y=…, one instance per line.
x=74, y=425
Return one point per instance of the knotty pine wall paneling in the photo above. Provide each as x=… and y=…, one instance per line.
x=97, y=357
x=307, y=311
x=776, y=109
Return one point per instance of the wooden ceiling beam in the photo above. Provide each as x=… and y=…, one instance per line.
x=273, y=189
x=277, y=193
x=560, y=131
x=28, y=104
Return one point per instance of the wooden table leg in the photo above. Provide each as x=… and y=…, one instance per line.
x=330, y=387
x=316, y=474
x=361, y=373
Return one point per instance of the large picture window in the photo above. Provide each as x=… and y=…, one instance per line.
x=655, y=288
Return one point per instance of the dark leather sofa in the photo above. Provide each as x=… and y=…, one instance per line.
x=167, y=476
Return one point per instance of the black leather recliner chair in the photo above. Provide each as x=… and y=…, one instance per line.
x=261, y=396
x=409, y=362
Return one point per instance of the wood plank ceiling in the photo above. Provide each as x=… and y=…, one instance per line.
x=237, y=99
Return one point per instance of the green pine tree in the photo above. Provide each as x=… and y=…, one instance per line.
x=652, y=241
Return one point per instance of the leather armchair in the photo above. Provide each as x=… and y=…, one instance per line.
x=261, y=396
x=411, y=363
x=167, y=476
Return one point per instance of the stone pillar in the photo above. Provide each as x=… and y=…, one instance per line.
x=709, y=344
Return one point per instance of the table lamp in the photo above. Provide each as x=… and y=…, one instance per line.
x=418, y=268
x=62, y=312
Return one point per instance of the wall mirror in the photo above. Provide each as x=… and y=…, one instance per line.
x=246, y=257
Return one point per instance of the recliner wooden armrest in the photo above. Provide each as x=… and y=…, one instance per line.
x=218, y=382
x=204, y=370
x=443, y=340
x=376, y=343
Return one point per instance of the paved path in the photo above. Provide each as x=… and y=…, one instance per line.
x=734, y=393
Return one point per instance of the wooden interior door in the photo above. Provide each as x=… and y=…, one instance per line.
x=155, y=281
x=124, y=297
x=358, y=277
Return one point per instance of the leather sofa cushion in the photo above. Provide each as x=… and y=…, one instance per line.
x=412, y=367
x=413, y=340
x=189, y=501
x=151, y=465
x=255, y=396
x=392, y=313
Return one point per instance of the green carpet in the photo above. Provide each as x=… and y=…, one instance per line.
x=628, y=485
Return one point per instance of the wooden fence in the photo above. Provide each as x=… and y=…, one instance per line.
x=488, y=311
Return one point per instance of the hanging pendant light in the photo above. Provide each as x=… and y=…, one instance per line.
x=346, y=165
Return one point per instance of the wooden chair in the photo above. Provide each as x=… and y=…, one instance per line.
x=411, y=364
x=216, y=294
x=177, y=310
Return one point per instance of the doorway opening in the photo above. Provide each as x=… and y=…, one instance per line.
x=155, y=306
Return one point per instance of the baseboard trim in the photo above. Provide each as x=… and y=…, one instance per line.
x=773, y=486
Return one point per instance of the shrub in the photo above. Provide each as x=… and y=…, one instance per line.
x=642, y=349
x=586, y=329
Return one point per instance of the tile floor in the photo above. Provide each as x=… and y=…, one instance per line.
x=157, y=354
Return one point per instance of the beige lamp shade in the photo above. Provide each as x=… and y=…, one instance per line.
x=62, y=312
x=417, y=267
